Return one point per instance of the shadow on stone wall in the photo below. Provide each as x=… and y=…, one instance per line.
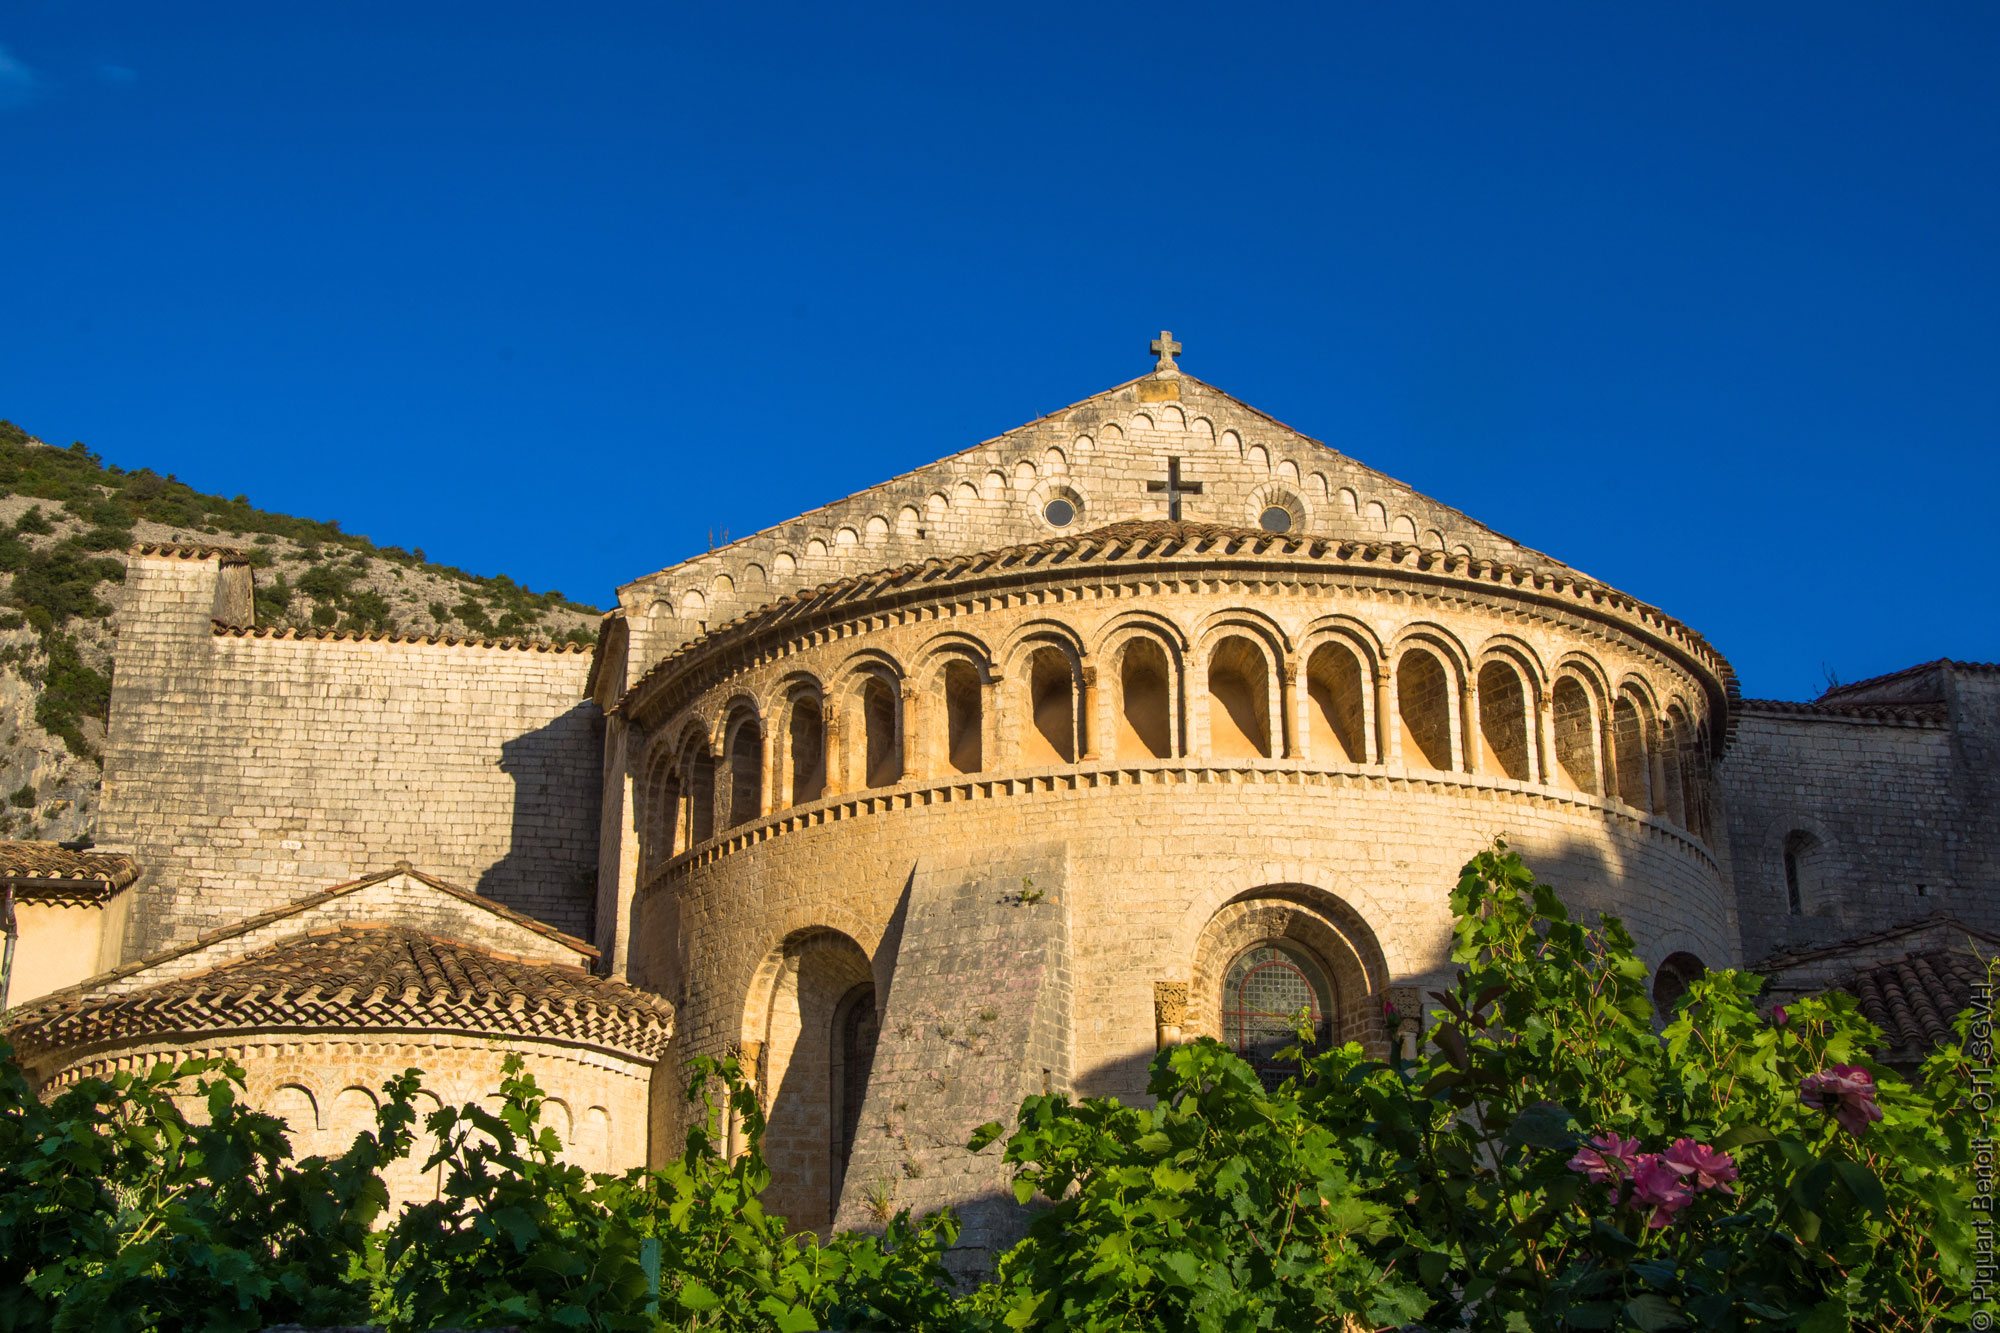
x=550, y=869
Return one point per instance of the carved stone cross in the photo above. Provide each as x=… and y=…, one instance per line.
x=1166, y=349
x=1174, y=488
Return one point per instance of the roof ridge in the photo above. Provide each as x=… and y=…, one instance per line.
x=223, y=629
x=1881, y=935
x=384, y=977
x=1880, y=712
x=228, y=555
x=1948, y=663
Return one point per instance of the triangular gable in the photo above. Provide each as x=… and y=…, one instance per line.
x=1109, y=456
x=402, y=896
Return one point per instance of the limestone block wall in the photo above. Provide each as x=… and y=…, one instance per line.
x=247, y=768
x=398, y=897
x=1153, y=853
x=1881, y=819
x=326, y=1087
x=1103, y=455
x=1205, y=748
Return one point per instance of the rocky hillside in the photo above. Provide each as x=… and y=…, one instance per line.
x=66, y=520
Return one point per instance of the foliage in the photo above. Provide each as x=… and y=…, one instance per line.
x=110, y=501
x=72, y=690
x=1224, y=1206
x=1552, y=1161
x=1545, y=1060
x=119, y=1210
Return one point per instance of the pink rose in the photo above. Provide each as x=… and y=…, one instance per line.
x=1606, y=1160
x=1778, y=1015
x=1846, y=1090
x=1702, y=1167
x=1657, y=1186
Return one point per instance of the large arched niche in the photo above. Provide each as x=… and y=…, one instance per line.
x=803, y=1000
x=1310, y=921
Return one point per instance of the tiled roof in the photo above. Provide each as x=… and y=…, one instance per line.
x=367, y=978
x=1914, y=999
x=1911, y=979
x=1180, y=542
x=228, y=555
x=1920, y=714
x=36, y=865
x=223, y=629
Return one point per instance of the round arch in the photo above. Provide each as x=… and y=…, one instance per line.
x=1313, y=921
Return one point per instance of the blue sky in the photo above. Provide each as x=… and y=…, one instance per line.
x=1699, y=298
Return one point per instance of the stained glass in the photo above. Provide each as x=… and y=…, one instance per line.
x=1269, y=989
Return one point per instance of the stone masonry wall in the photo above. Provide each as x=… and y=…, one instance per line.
x=1875, y=796
x=1102, y=454
x=977, y=1017
x=1899, y=816
x=326, y=1087
x=247, y=770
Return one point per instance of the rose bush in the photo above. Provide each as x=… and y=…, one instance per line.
x=1551, y=1159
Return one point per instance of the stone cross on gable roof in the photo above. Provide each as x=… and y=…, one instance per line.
x=1166, y=349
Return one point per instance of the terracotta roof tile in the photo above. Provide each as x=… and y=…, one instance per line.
x=1913, y=999
x=31, y=864
x=1911, y=980
x=228, y=555
x=362, y=977
x=223, y=629
x=1147, y=539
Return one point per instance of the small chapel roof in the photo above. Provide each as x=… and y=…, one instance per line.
x=1911, y=979
x=368, y=978
x=50, y=866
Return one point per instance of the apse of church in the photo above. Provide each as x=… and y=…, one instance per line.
x=1150, y=719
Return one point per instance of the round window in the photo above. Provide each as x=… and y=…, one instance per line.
x=1060, y=512
x=1275, y=519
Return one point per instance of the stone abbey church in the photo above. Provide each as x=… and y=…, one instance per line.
x=1149, y=719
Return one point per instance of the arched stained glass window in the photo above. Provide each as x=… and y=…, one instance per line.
x=1269, y=990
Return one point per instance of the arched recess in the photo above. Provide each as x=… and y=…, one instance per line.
x=1426, y=708
x=962, y=691
x=1148, y=702
x=1631, y=749
x=1670, y=982
x=1309, y=925
x=803, y=1015
x=1675, y=734
x=1240, y=684
x=802, y=743
x=744, y=745
x=1506, y=717
x=1803, y=863
x=1574, y=714
x=870, y=728
x=1052, y=728
x=294, y=1104
x=659, y=810
x=1339, y=686
x=698, y=782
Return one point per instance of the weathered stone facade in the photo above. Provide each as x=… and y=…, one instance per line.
x=993, y=777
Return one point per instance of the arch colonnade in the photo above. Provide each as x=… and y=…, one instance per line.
x=1148, y=693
